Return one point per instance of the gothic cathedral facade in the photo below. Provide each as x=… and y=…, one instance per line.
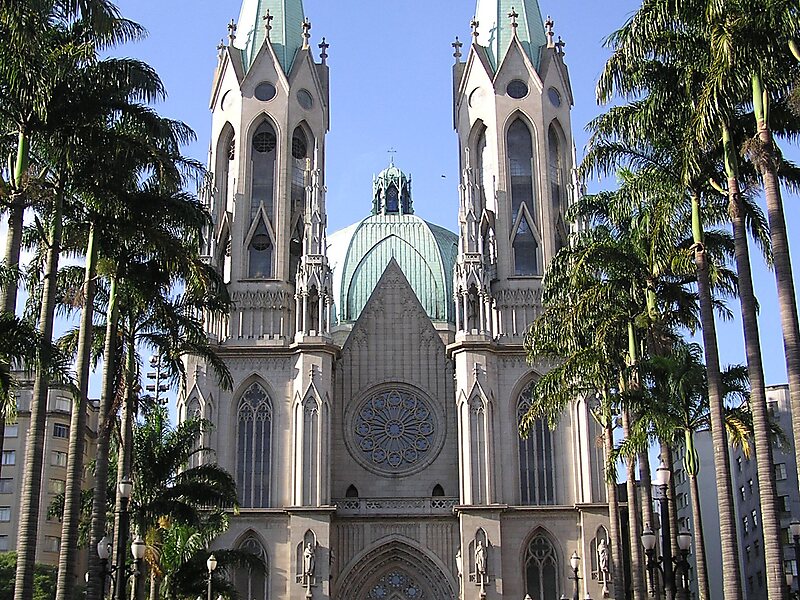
x=379, y=372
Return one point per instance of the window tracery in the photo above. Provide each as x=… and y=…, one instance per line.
x=251, y=584
x=536, y=458
x=254, y=447
x=541, y=568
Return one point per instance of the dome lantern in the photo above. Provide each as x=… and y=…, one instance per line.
x=391, y=192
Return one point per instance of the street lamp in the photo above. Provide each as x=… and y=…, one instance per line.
x=104, y=552
x=125, y=488
x=137, y=550
x=574, y=563
x=211, y=563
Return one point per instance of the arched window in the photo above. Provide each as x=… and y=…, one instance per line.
x=260, y=253
x=193, y=411
x=541, y=568
x=264, y=156
x=352, y=492
x=526, y=249
x=557, y=180
x=438, y=491
x=520, y=162
x=254, y=447
x=226, y=152
x=536, y=460
x=300, y=165
x=480, y=173
x=477, y=434
x=252, y=584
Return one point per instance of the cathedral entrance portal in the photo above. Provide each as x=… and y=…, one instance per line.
x=395, y=570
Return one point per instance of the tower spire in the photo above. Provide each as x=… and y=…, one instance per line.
x=501, y=20
x=275, y=20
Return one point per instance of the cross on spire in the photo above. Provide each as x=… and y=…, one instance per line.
x=514, y=15
x=324, y=48
x=474, y=25
x=268, y=22
x=231, y=32
x=457, y=45
x=548, y=25
x=306, y=32
x=220, y=49
x=560, y=46
x=391, y=152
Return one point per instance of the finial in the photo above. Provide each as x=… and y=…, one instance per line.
x=391, y=152
x=306, y=32
x=560, y=46
x=513, y=15
x=268, y=22
x=457, y=45
x=474, y=24
x=221, y=49
x=324, y=54
x=549, y=24
x=231, y=32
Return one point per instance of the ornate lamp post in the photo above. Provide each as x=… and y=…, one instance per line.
x=137, y=550
x=211, y=563
x=104, y=552
x=125, y=488
x=575, y=563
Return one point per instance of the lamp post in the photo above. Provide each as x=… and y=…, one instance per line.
x=125, y=488
x=104, y=552
x=137, y=551
x=211, y=563
x=575, y=562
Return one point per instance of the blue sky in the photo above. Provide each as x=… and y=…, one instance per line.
x=391, y=87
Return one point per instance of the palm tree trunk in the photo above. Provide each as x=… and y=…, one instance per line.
x=72, y=490
x=637, y=559
x=784, y=278
x=126, y=444
x=672, y=508
x=104, y=426
x=770, y=523
x=645, y=477
x=732, y=590
x=8, y=297
x=617, y=552
x=692, y=465
x=28, y=532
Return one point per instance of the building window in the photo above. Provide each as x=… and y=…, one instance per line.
x=58, y=459
x=520, y=163
x=9, y=457
x=760, y=579
x=61, y=404
x=254, y=444
x=790, y=566
x=6, y=485
x=750, y=485
x=55, y=486
x=263, y=161
x=541, y=568
x=682, y=501
x=739, y=464
x=11, y=431
x=780, y=471
x=52, y=543
x=260, y=253
x=250, y=584
x=60, y=430
x=4, y=546
x=754, y=514
x=742, y=492
x=785, y=504
x=536, y=458
x=745, y=524
x=757, y=547
x=5, y=514
x=747, y=552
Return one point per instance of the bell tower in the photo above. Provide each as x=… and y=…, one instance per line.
x=270, y=117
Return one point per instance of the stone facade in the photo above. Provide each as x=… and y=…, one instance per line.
x=373, y=422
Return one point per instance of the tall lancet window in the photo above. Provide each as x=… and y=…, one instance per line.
x=226, y=153
x=299, y=166
x=558, y=184
x=264, y=157
x=541, y=568
x=478, y=448
x=193, y=411
x=519, y=145
x=254, y=447
x=310, y=449
x=480, y=174
x=249, y=583
x=536, y=459
x=260, y=252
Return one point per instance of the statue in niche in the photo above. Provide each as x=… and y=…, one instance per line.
x=480, y=561
x=602, y=559
x=308, y=561
x=459, y=564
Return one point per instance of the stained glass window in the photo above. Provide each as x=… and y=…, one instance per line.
x=536, y=460
x=254, y=447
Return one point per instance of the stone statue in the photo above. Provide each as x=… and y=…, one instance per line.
x=459, y=564
x=308, y=560
x=602, y=560
x=480, y=560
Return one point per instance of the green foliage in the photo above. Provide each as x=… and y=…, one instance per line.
x=44, y=578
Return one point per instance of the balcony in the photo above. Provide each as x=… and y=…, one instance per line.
x=371, y=507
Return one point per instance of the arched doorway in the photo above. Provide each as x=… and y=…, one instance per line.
x=395, y=569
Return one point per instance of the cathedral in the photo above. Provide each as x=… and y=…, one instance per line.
x=379, y=371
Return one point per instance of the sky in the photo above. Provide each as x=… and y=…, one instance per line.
x=391, y=88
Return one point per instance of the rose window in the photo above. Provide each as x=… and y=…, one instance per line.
x=394, y=430
x=393, y=584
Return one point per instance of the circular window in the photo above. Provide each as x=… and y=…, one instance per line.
x=265, y=91
x=555, y=97
x=227, y=100
x=260, y=242
x=305, y=99
x=394, y=432
x=475, y=96
x=264, y=141
x=517, y=89
x=299, y=148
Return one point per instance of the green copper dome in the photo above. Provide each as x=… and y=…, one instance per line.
x=426, y=253
x=286, y=34
x=391, y=192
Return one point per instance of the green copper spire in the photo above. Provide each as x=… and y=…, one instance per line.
x=285, y=23
x=496, y=28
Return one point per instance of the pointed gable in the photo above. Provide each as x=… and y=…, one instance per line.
x=496, y=30
x=286, y=35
